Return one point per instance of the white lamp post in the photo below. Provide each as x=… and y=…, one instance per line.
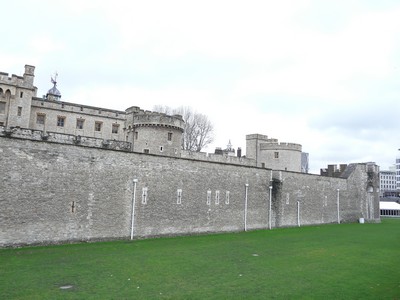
x=270, y=205
x=245, y=207
x=298, y=213
x=133, y=205
x=338, y=209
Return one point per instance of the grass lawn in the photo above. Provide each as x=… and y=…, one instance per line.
x=346, y=261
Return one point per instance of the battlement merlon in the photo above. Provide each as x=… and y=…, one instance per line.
x=281, y=146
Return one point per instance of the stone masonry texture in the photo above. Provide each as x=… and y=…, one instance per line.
x=51, y=193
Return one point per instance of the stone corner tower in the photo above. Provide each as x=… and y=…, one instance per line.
x=16, y=93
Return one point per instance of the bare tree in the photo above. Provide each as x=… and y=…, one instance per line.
x=198, y=130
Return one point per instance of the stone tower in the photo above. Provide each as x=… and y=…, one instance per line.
x=269, y=153
x=152, y=132
x=16, y=94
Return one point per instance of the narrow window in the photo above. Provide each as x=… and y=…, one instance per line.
x=81, y=108
x=136, y=135
x=179, y=196
x=97, y=126
x=276, y=154
x=161, y=148
x=60, y=121
x=262, y=165
x=227, y=197
x=19, y=112
x=216, y=197
x=79, y=123
x=21, y=94
x=2, y=108
x=40, y=119
x=147, y=151
x=62, y=105
x=287, y=198
x=169, y=136
x=115, y=128
x=144, y=195
x=208, y=197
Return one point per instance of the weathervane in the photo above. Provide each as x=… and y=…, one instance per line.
x=54, y=80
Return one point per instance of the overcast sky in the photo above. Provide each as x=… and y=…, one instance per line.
x=324, y=74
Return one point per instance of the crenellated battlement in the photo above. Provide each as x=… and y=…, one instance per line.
x=158, y=120
x=25, y=81
x=137, y=117
x=11, y=80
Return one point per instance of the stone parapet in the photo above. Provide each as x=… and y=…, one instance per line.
x=62, y=138
x=280, y=146
x=211, y=157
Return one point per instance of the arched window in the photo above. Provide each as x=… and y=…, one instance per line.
x=8, y=95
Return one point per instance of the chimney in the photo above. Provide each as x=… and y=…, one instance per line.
x=239, y=152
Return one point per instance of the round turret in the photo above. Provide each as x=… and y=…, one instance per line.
x=281, y=156
x=154, y=133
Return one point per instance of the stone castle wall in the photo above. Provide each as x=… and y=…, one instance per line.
x=52, y=192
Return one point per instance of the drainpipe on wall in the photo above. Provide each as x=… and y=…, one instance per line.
x=133, y=206
x=338, y=211
x=298, y=213
x=270, y=205
x=245, y=207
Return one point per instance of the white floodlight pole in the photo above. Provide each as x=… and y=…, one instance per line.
x=338, y=209
x=245, y=207
x=298, y=213
x=270, y=205
x=133, y=206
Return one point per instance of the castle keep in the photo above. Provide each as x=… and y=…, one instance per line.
x=71, y=172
